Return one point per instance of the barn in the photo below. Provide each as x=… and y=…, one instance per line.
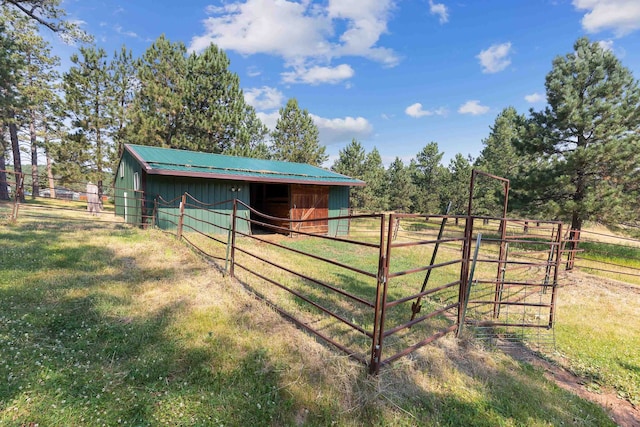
x=148, y=177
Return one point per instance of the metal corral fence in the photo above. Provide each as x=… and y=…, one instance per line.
x=73, y=201
x=394, y=284
x=605, y=255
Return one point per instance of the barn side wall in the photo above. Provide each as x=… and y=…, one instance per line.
x=128, y=203
x=338, y=206
x=198, y=215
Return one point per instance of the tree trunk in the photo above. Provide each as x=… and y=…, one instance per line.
x=576, y=217
x=35, y=182
x=52, y=188
x=4, y=189
x=15, y=145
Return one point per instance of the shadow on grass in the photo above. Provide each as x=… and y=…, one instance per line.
x=69, y=358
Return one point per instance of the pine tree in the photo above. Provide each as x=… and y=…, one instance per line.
x=122, y=70
x=427, y=174
x=157, y=113
x=296, y=137
x=351, y=162
x=214, y=103
x=88, y=102
x=252, y=137
x=375, y=195
x=11, y=100
x=499, y=157
x=401, y=188
x=456, y=185
x=587, y=138
x=37, y=87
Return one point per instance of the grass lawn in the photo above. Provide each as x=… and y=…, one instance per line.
x=103, y=324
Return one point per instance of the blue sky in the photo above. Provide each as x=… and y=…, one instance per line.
x=395, y=75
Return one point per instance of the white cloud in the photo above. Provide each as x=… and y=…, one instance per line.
x=620, y=16
x=263, y=98
x=606, y=45
x=305, y=34
x=534, y=97
x=253, y=71
x=316, y=75
x=473, y=107
x=415, y=110
x=439, y=9
x=495, y=58
x=118, y=29
x=269, y=119
x=339, y=130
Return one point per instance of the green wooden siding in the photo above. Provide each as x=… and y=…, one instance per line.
x=338, y=206
x=128, y=202
x=206, y=213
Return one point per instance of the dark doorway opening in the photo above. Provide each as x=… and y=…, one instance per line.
x=272, y=200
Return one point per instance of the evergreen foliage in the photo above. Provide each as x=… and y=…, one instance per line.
x=375, y=195
x=401, y=187
x=499, y=157
x=456, y=185
x=296, y=137
x=89, y=104
x=351, y=162
x=158, y=109
x=428, y=175
x=586, y=139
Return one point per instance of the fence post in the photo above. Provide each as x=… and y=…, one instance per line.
x=574, y=240
x=233, y=238
x=468, y=286
x=181, y=217
x=554, y=287
x=19, y=195
x=381, y=295
x=154, y=218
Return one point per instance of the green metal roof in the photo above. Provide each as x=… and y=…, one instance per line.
x=167, y=161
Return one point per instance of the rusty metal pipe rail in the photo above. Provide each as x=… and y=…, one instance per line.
x=354, y=355
x=228, y=201
x=510, y=283
x=286, y=230
x=529, y=242
x=195, y=230
x=423, y=268
x=523, y=263
x=418, y=345
x=426, y=242
x=410, y=323
x=310, y=279
x=607, y=271
x=422, y=294
x=204, y=222
x=213, y=211
x=609, y=235
x=302, y=296
x=360, y=216
x=515, y=302
x=202, y=251
x=607, y=263
x=169, y=213
x=162, y=200
x=319, y=258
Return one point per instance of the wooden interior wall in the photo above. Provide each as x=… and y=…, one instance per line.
x=310, y=202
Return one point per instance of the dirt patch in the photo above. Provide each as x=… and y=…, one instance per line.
x=620, y=410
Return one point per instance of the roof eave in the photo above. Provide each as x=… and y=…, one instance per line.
x=210, y=175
